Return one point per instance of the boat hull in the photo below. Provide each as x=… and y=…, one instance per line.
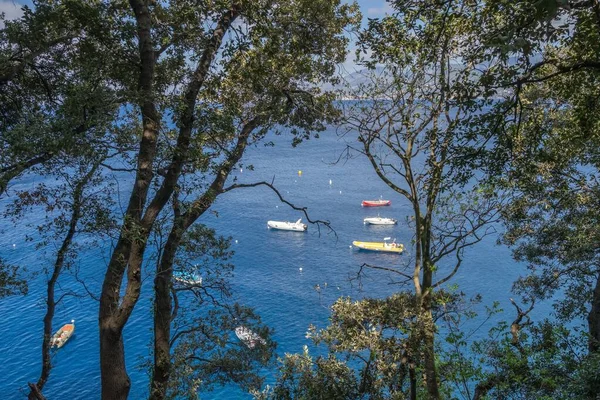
x=380, y=221
x=379, y=246
x=187, y=278
x=287, y=226
x=248, y=337
x=61, y=336
x=375, y=203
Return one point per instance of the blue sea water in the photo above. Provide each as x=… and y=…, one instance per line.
x=276, y=272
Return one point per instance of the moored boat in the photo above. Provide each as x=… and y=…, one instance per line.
x=297, y=226
x=380, y=221
x=62, y=335
x=187, y=278
x=380, y=246
x=249, y=338
x=375, y=203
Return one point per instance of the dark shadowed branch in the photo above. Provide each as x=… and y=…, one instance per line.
x=304, y=210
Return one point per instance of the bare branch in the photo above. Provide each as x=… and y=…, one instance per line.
x=318, y=222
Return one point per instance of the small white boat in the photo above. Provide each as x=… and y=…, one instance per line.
x=187, y=278
x=248, y=337
x=297, y=226
x=62, y=335
x=380, y=221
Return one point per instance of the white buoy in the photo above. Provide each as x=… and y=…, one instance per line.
x=300, y=269
x=330, y=182
x=241, y=170
x=276, y=206
x=14, y=245
x=340, y=192
x=236, y=240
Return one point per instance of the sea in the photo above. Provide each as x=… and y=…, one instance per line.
x=290, y=278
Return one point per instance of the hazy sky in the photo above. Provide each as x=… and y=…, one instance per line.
x=373, y=8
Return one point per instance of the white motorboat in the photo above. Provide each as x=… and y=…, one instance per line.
x=248, y=337
x=380, y=221
x=187, y=278
x=297, y=226
x=62, y=335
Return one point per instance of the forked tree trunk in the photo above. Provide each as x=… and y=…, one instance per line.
x=129, y=252
x=113, y=314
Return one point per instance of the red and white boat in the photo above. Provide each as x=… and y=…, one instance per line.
x=375, y=203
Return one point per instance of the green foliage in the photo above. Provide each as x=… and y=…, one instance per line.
x=56, y=97
x=11, y=281
x=303, y=377
x=547, y=362
x=509, y=88
x=545, y=155
x=374, y=347
x=206, y=352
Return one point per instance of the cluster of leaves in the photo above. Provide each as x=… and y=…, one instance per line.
x=11, y=280
x=374, y=351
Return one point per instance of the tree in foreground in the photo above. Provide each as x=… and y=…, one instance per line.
x=195, y=83
x=413, y=116
x=418, y=118
x=71, y=211
x=54, y=109
x=545, y=155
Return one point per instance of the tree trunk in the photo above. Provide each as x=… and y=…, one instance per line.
x=162, y=283
x=594, y=320
x=46, y=361
x=433, y=392
x=115, y=381
x=163, y=312
x=129, y=252
x=113, y=314
x=413, y=381
x=35, y=393
x=36, y=389
x=428, y=331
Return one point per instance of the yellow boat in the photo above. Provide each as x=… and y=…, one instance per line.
x=380, y=246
